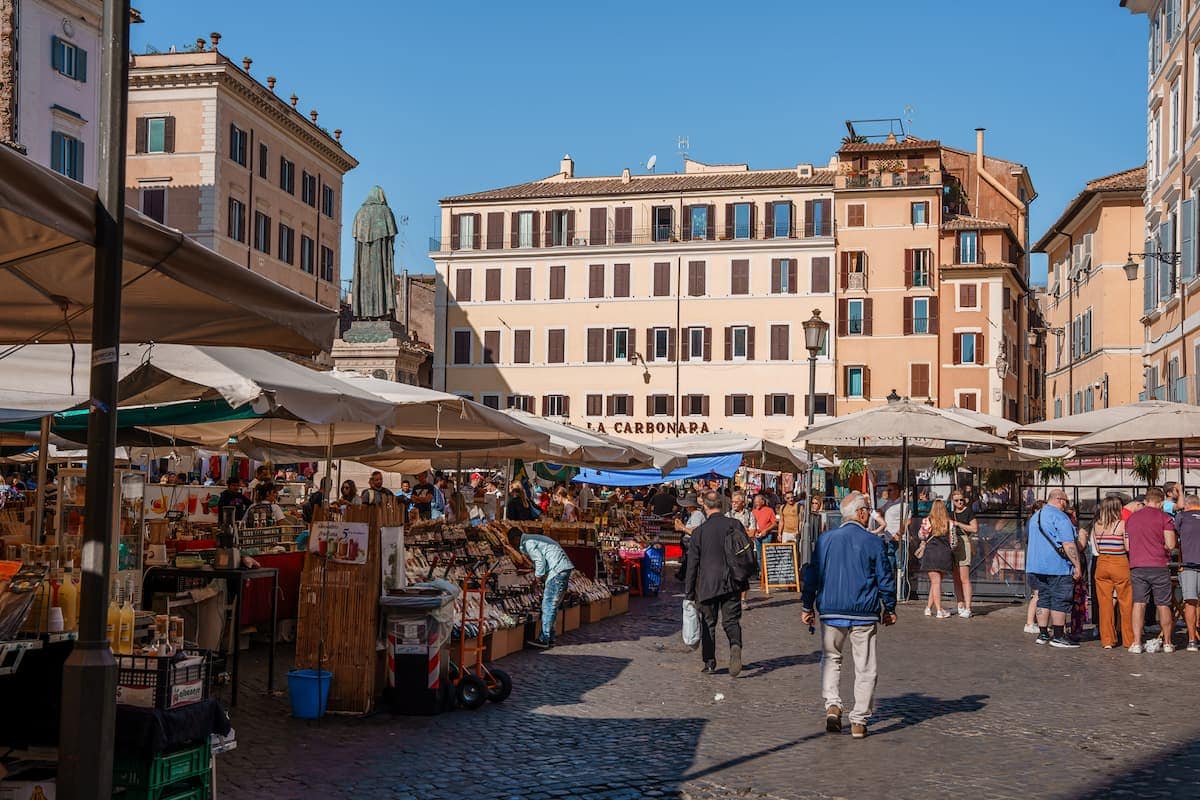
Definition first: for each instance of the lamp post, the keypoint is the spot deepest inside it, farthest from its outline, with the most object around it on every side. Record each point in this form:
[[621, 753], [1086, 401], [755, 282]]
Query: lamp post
[[816, 330]]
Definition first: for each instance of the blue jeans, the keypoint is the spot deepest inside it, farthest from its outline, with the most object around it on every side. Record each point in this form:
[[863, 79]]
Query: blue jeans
[[758, 545], [556, 587]]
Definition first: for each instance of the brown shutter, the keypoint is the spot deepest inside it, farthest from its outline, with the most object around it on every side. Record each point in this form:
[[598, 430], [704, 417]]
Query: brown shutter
[[933, 314], [749, 405], [671, 344], [608, 405], [791, 405], [728, 221], [768, 406], [769, 221], [620, 280], [141, 135], [708, 344], [549, 229], [855, 215], [598, 226], [545, 405], [728, 342], [632, 334], [712, 221], [868, 314], [514, 235], [477, 232], [495, 230], [793, 276], [776, 275], [843, 317], [671, 405], [169, 134], [566, 405], [808, 219], [846, 380], [462, 291], [844, 272], [750, 343], [624, 225], [523, 288], [980, 350], [753, 220], [649, 405], [704, 404], [685, 225], [649, 344], [908, 269], [685, 345], [739, 282], [596, 280], [792, 220], [491, 288], [455, 244], [957, 348], [866, 383], [537, 228], [608, 345], [729, 405], [908, 316], [820, 275]]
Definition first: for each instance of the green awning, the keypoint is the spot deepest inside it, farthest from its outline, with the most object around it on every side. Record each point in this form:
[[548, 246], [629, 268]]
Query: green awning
[[190, 413]]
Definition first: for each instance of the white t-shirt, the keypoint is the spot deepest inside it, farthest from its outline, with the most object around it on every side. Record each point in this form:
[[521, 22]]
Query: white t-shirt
[[893, 516]]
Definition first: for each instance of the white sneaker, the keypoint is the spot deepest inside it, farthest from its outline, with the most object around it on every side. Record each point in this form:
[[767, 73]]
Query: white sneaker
[[1032, 629], [1168, 647], [944, 615], [1135, 648], [928, 611], [965, 613]]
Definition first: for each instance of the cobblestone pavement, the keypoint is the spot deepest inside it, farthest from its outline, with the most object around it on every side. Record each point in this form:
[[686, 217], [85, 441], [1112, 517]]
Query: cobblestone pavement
[[620, 710]]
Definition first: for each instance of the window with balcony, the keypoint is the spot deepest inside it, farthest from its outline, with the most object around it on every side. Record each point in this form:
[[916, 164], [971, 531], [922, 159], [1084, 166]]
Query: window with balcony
[[781, 227], [663, 220], [741, 220], [920, 320], [922, 267], [968, 247], [699, 222], [466, 231], [560, 228], [854, 319], [525, 229], [817, 218]]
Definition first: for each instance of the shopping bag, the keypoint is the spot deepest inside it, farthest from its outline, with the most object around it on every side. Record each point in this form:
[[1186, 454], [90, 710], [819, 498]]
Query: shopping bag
[[691, 624]]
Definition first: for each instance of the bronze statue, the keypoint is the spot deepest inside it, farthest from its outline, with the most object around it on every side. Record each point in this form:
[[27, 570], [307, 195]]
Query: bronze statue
[[374, 288]]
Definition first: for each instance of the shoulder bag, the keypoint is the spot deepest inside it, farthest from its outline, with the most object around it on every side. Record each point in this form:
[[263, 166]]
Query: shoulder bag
[[1058, 548]]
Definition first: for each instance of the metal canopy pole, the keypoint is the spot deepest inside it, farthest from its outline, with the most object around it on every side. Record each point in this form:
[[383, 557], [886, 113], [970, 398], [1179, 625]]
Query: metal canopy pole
[[39, 504], [85, 749]]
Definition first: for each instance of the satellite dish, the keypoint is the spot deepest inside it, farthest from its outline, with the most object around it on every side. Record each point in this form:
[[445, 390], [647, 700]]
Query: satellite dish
[[651, 162]]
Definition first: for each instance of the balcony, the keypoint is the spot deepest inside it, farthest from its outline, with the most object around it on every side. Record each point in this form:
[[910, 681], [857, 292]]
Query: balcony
[[977, 255], [888, 180], [1179, 391], [653, 235], [857, 280]]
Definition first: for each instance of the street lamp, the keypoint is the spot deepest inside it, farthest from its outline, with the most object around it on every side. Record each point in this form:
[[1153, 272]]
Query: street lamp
[[815, 332], [1172, 257]]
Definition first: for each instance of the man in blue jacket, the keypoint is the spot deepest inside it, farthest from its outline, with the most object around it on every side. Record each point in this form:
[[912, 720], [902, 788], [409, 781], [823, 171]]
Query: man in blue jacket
[[551, 564], [854, 589]]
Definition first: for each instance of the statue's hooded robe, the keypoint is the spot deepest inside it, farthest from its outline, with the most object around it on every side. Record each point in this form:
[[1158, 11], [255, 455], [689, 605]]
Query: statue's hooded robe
[[374, 291]]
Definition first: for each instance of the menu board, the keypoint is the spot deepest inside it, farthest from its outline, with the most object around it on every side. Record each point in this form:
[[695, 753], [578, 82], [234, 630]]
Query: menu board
[[780, 568]]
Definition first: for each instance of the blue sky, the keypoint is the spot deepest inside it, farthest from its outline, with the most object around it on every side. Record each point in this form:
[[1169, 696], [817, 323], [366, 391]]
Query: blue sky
[[448, 97]]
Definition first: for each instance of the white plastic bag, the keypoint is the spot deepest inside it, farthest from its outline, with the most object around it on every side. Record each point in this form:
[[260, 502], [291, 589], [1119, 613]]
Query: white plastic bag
[[691, 624]]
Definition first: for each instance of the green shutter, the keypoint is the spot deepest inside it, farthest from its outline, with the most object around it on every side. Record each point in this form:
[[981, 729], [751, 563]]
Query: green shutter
[[56, 60], [77, 148], [56, 162], [81, 65]]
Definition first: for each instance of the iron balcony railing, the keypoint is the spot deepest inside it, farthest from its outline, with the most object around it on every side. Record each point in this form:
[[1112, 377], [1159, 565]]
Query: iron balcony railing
[[655, 234]]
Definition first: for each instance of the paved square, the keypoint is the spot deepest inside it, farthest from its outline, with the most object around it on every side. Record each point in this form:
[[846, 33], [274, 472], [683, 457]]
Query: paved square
[[620, 710]]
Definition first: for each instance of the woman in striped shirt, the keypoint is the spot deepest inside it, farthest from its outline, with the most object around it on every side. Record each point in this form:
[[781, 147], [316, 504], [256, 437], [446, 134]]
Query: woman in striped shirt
[[1110, 548]]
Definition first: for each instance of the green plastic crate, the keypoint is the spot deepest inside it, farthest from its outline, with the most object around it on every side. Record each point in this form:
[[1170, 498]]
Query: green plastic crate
[[193, 789], [134, 772]]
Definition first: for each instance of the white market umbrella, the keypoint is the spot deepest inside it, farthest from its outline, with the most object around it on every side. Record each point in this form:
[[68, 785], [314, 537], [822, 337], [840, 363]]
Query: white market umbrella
[[756, 452], [902, 425], [1065, 430], [1158, 428]]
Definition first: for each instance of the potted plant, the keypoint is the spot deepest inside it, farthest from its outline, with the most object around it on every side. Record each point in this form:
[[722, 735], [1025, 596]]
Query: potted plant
[[852, 468], [1147, 468], [949, 464], [1052, 469]]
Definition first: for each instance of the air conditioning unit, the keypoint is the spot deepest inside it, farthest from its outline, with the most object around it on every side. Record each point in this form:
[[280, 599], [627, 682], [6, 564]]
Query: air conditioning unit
[[580, 241]]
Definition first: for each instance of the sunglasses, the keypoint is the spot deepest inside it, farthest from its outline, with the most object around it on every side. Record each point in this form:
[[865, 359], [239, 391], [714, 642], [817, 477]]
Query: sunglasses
[[958, 499]]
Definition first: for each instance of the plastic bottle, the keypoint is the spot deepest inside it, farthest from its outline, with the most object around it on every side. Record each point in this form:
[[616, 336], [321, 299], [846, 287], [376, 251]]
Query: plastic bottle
[[114, 618], [68, 599], [125, 632]]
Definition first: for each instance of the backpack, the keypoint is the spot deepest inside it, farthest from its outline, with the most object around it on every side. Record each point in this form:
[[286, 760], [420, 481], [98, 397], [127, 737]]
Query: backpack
[[741, 557]]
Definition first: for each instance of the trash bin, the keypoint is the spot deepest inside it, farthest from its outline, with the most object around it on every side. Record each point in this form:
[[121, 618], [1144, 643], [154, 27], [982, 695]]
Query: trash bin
[[418, 623]]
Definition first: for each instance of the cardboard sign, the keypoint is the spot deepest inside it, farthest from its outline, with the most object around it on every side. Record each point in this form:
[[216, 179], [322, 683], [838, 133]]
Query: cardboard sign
[[780, 568], [342, 542]]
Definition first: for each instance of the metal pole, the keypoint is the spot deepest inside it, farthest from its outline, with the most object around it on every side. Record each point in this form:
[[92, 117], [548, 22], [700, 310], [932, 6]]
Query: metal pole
[[85, 749], [1182, 472], [812, 387], [39, 505]]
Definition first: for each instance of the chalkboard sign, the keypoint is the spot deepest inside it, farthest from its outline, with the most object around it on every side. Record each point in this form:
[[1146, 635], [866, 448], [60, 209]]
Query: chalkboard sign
[[781, 568]]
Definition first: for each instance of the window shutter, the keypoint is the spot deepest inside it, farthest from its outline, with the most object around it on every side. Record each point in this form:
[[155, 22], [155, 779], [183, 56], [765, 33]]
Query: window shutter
[[844, 272], [56, 162], [749, 405], [791, 405], [739, 280], [750, 343], [980, 350], [1187, 248], [791, 219], [169, 134], [704, 404], [769, 221], [608, 405], [649, 405], [608, 345], [708, 344], [843, 317], [846, 381], [729, 225], [624, 225], [571, 227], [685, 225], [728, 342], [792, 275], [598, 226], [232, 140], [868, 316], [808, 219], [711, 232], [908, 316], [933, 314], [671, 405], [776, 273], [671, 344], [820, 275], [768, 406], [81, 65], [649, 344], [477, 231], [549, 228], [495, 230], [514, 235], [753, 220], [140, 134], [729, 405], [455, 244], [537, 228], [866, 383], [957, 348], [908, 269], [56, 60], [685, 345]]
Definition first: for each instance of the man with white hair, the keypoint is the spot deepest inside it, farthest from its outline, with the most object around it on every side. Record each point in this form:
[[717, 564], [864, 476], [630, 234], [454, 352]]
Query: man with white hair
[[854, 589]]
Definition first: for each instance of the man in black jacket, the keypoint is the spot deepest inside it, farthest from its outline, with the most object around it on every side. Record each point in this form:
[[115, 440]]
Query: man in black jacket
[[709, 583]]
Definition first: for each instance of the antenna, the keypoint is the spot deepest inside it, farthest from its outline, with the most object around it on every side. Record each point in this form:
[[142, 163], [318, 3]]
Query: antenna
[[650, 162], [683, 145], [909, 112]]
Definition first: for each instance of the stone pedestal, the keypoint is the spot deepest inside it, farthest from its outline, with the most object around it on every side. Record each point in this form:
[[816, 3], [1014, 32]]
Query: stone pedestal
[[379, 348]]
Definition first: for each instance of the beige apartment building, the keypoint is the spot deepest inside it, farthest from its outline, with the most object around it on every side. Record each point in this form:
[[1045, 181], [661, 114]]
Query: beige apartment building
[[223, 158], [1167, 256], [642, 305], [933, 287], [1093, 324]]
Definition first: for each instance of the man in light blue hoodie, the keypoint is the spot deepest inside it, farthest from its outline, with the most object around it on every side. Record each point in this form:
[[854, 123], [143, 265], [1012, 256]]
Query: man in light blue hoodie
[[551, 564]]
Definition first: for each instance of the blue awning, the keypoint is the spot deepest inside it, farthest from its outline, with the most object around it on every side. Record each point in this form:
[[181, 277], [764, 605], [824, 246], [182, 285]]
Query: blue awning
[[719, 466]]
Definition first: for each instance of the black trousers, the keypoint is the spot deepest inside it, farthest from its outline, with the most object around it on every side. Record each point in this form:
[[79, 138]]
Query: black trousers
[[729, 607]]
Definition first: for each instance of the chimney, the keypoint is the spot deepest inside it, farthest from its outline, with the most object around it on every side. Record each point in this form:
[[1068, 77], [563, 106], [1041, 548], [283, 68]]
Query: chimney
[[891, 138], [979, 144], [567, 166], [625, 175]]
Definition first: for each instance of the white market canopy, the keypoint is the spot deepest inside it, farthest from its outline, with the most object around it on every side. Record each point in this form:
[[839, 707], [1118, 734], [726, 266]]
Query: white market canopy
[[1065, 430], [174, 289], [891, 428], [1153, 427], [756, 453]]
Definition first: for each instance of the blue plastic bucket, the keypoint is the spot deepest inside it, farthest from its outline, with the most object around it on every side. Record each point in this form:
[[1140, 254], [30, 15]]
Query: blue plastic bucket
[[309, 691]]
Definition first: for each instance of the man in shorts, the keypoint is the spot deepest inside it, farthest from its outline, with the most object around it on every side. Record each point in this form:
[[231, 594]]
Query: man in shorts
[[1052, 574], [1188, 526], [1151, 533]]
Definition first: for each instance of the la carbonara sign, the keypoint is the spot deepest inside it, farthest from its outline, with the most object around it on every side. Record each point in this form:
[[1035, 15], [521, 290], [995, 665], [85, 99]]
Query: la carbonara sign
[[669, 428]]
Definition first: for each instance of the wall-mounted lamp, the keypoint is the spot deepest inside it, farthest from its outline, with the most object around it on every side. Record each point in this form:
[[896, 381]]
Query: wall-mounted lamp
[[637, 358]]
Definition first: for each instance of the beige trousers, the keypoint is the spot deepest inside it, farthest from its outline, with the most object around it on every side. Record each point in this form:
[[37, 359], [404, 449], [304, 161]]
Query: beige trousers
[[862, 646]]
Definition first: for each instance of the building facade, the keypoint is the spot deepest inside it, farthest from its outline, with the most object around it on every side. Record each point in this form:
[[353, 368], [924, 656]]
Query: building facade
[[642, 305], [219, 156], [1093, 317], [933, 284], [1168, 277], [49, 82]]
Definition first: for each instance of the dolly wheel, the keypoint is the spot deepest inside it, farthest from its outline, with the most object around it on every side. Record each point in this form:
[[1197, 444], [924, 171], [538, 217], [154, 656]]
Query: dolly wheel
[[471, 692], [500, 687]]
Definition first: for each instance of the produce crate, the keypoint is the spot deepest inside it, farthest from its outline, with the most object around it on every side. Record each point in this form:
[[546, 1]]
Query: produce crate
[[163, 682], [594, 611], [132, 771], [620, 604], [194, 789], [570, 618]]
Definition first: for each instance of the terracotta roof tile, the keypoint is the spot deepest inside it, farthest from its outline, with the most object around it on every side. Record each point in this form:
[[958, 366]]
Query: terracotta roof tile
[[975, 224], [1128, 180], [903, 145], [648, 184]]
